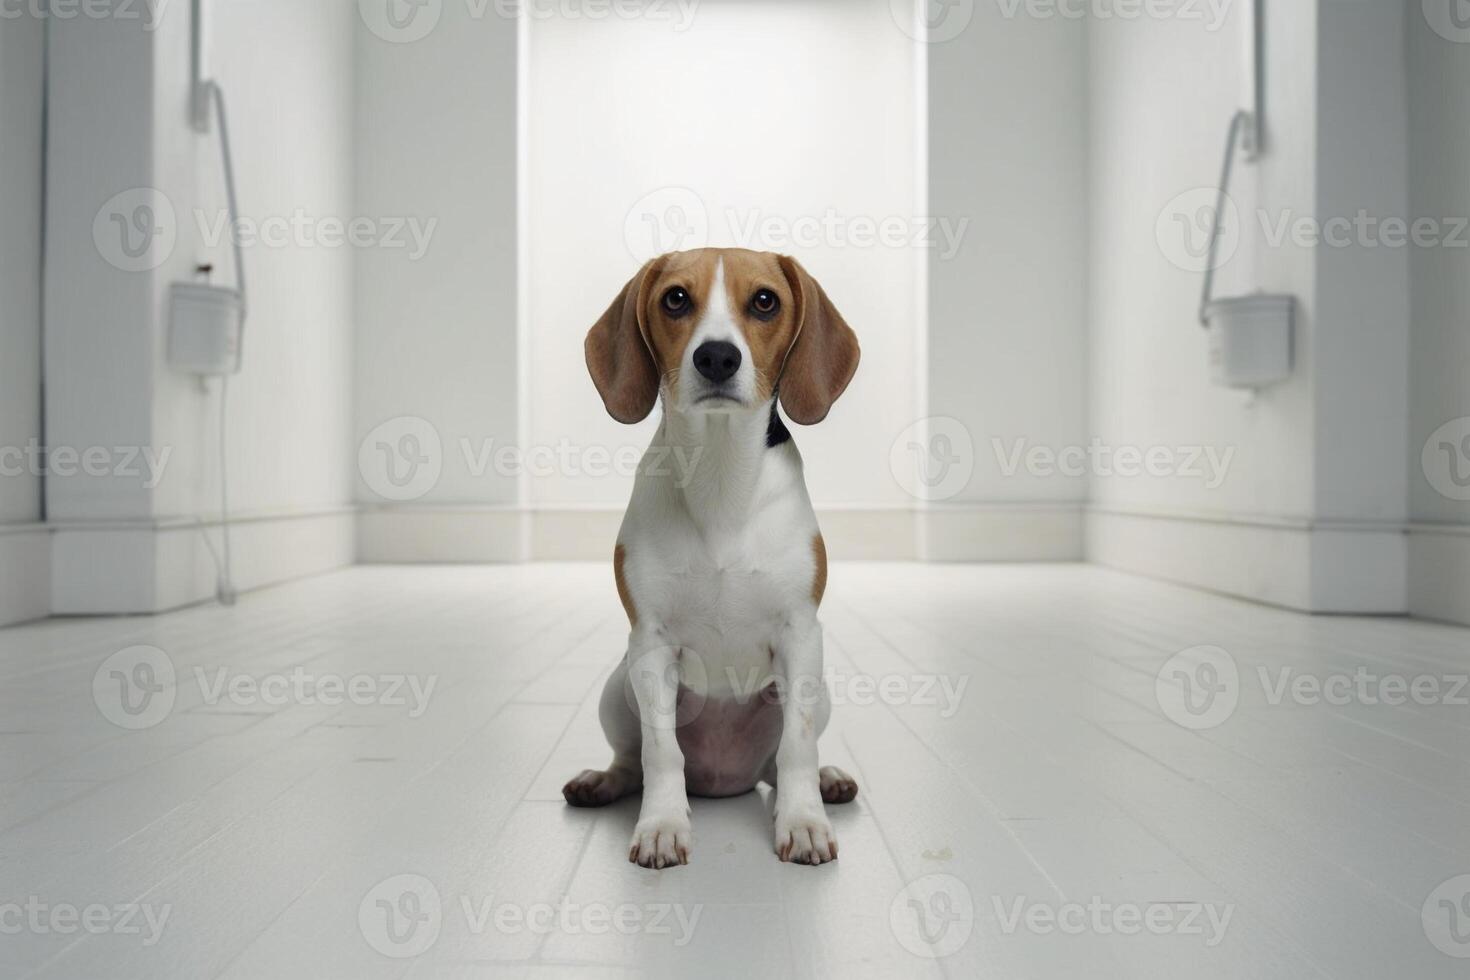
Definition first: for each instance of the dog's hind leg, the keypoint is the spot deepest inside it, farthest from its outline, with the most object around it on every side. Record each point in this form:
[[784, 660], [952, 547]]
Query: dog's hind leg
[[599, 787], [836, 785]]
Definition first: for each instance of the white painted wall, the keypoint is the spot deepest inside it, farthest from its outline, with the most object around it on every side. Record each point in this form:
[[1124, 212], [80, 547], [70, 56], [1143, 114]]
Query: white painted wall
[[436, 141], [1439, 107], [1156, 144], [1310, 511], [1008, 310], [101, 329], [1439, 104], [764, 110], [1007, 344], [22, 54], [287, 71], [1361, 369], [24, 547], [120, 98]]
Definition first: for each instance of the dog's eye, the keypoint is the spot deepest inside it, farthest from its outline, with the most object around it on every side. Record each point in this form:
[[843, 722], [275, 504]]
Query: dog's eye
[[676, 301], [765, 304]]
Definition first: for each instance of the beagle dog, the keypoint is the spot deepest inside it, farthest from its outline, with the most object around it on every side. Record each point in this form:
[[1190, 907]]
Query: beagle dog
[[720, 566]]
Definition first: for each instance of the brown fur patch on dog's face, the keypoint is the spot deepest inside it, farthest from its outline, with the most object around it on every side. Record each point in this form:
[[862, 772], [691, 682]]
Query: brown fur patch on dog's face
[[745, 274]]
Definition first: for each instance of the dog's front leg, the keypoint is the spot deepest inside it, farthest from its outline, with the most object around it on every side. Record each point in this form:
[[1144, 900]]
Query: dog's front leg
[[803, 833], [662, 836]]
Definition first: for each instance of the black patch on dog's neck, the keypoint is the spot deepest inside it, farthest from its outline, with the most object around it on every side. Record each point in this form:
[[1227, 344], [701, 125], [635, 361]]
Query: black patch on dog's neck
[[776, 431]]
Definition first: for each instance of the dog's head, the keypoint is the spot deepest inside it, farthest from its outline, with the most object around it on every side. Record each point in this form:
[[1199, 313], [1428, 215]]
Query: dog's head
[[721, 329]]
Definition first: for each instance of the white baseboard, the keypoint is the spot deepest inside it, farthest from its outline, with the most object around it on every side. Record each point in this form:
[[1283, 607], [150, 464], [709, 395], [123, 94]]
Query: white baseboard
[[25, 572], [979, 532], [574, 534], [123, 567], [1320, 568], [145, 567], [1003, 532], [420, 534], [1439, 571]]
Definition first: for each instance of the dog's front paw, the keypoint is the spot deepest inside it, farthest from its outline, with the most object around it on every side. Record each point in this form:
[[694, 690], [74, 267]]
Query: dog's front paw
[[804, 836], [661, 841]]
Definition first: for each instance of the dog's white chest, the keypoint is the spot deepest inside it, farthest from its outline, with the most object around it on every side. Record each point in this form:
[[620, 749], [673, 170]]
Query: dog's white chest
[[724, 603]]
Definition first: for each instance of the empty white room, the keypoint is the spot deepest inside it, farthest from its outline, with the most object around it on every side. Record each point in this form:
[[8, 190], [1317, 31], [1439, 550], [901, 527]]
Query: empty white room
[[734, 488]]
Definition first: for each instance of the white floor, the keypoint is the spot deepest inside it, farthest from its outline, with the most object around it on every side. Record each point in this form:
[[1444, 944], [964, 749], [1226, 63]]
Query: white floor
[[281, 836]]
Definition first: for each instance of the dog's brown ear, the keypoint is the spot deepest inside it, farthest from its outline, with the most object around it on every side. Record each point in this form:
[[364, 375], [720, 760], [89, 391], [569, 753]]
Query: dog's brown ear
[[823, 357], [618, 357]]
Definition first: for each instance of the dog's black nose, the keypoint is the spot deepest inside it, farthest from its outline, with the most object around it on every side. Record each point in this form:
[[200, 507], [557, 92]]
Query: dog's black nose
[[717, 360]]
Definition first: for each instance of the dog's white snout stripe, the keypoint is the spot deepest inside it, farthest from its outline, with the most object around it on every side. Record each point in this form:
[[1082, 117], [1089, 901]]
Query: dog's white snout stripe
[[718, 325]]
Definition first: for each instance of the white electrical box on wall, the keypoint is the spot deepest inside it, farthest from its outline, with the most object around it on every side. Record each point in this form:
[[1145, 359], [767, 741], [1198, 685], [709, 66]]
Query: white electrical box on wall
[[1250, 339], [204, 328]]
